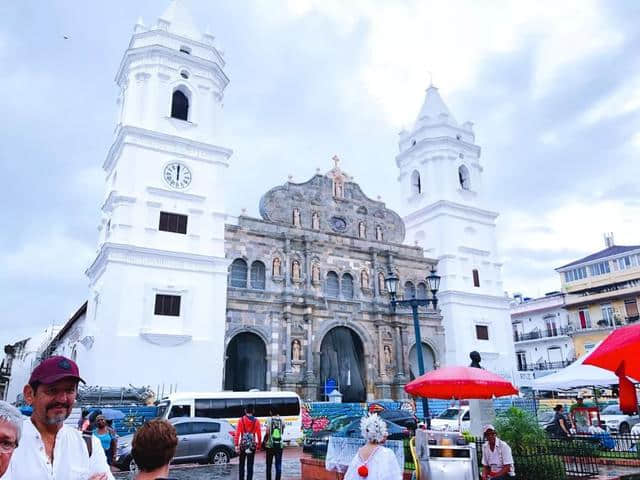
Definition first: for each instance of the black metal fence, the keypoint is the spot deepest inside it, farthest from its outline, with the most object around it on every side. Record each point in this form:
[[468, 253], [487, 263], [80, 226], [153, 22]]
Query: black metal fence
[[553, 460], [612, 445]]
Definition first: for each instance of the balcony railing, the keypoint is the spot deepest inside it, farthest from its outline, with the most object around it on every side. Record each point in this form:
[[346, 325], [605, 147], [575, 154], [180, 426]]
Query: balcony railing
[[535, 334], [528, 367]]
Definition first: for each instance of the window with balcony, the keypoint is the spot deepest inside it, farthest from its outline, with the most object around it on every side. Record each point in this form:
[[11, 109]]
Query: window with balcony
[[599, 268], [607, 315], [584, 318], [522, 361], [631, 310]]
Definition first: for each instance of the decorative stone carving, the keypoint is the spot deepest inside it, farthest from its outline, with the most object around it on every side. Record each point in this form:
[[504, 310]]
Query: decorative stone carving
[[276, 269], [379, 234], [296, 350], [364, 279], [295, 271], [388, 357], [315, 273], [362, 230], [280, 204]]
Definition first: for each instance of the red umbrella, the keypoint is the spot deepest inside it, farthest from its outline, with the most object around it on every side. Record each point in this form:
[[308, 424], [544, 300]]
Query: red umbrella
[[619, 354], [621, 346], [460, 382]]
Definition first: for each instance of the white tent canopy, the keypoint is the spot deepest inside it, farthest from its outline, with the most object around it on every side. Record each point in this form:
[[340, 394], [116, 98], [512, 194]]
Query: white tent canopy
[[576, 375]]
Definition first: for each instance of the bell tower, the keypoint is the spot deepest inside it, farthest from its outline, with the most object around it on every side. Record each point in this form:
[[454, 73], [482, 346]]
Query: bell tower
[[440, 178], [158, 283]]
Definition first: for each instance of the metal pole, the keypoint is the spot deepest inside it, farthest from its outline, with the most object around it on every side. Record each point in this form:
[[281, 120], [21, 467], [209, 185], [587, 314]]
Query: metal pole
[[416, 327]]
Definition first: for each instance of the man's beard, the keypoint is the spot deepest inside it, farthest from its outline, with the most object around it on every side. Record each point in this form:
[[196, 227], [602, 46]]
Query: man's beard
[[57, 419]]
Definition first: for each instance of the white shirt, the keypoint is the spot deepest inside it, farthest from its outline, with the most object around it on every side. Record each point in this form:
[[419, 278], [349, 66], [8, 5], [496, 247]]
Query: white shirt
[[382, 465], [70, 457], [498, 458]]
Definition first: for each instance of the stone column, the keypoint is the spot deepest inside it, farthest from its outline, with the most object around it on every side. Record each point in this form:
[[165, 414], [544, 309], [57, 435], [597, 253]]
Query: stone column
[[309, 375], [399, 347], [287, 338], [374, 273], [285, 261], [307, 264]]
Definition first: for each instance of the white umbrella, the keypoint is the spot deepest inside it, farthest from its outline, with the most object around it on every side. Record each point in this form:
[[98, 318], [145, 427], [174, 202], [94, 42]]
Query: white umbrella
[[576, 375]]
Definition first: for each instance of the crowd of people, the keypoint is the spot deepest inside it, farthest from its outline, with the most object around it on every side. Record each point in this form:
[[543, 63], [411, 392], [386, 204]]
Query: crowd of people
[[43, 446]]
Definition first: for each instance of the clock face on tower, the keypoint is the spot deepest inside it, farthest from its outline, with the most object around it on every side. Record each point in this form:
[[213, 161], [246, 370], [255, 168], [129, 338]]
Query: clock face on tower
[[177, 175]]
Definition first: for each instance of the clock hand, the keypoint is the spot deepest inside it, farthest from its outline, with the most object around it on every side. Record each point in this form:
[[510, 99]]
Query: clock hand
[[178, 176]]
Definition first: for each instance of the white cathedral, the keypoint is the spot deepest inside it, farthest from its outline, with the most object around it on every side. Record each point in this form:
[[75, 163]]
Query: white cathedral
[[165, 167]]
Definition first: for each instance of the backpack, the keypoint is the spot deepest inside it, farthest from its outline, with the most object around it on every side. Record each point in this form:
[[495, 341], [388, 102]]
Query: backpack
[[275, 433], [247, 441]]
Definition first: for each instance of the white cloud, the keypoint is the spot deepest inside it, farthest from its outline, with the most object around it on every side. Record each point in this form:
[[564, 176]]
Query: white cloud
[[55, 255], [452, 39], [622, 101]]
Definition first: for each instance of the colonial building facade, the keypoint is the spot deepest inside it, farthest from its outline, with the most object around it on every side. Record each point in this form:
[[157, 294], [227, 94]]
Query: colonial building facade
[[306, 300]]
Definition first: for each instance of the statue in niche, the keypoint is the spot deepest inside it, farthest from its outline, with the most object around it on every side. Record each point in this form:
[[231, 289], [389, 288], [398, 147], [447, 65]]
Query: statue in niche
[[296, 351], [379, 233], [362, 230], [296, 356], [296, 217], [295, 271], [315, 273], [276, 271], [364, 279], [315, 221], [338, 188], [387, 356]]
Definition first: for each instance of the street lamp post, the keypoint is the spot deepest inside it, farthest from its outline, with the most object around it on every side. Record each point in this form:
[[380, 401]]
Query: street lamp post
[[433, 281]]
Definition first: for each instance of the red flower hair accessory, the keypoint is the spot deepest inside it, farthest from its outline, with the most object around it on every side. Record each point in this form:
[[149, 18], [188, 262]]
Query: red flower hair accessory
[[363, 471]]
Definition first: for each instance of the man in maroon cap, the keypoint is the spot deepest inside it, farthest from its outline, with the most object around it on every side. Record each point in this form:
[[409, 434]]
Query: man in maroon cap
[[50, 449]]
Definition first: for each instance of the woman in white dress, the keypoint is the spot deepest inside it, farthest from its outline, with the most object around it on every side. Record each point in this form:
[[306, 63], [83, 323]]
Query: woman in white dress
[[373, 461]]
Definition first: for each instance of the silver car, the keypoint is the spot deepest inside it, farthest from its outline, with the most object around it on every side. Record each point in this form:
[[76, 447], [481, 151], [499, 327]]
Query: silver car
[[616, 421], [202, 440]]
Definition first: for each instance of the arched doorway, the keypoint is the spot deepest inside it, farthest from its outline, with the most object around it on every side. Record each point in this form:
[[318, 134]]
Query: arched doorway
[[342, 359], [246, 365], [428, 356]]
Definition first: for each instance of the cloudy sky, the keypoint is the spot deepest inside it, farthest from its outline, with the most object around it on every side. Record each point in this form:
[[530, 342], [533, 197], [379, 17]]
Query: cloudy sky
[[553, 88]]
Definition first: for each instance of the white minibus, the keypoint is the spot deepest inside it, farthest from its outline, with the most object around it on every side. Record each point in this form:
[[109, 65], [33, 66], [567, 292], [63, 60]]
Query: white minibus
[[230, 406]]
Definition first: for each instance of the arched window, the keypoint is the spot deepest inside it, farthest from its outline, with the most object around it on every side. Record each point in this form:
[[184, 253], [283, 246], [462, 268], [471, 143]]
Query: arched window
[[421, 291], [409, 291], [347, 286], [463, 177], [257, 275], [333, 285], [239, 273], [180, 105], [416, 187], [476, 278]]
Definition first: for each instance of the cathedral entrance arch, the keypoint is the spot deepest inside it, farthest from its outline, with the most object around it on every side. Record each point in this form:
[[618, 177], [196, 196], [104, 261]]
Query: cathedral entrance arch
[[428, 356], [246, 364], [342, 359]]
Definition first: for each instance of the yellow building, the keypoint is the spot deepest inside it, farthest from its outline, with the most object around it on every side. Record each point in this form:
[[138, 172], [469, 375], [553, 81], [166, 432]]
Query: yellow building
[[602, 290]]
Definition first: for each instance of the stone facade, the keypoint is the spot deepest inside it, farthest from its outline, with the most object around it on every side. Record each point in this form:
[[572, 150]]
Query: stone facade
[[324, 262]]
